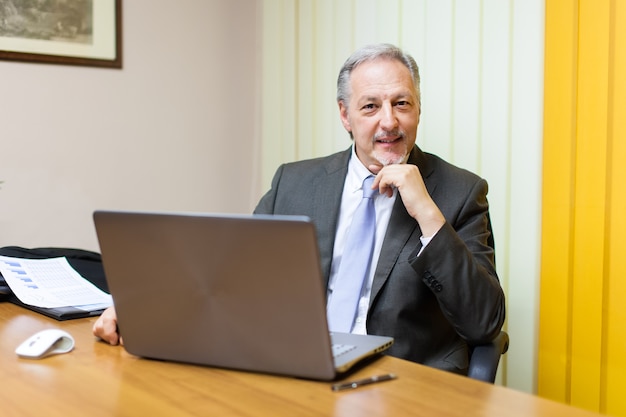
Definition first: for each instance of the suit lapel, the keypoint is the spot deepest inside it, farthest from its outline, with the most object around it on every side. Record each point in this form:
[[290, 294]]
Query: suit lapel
[[327, 201]]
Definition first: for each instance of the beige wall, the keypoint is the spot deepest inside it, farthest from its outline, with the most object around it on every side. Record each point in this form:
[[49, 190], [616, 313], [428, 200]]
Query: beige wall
[[174, 129]]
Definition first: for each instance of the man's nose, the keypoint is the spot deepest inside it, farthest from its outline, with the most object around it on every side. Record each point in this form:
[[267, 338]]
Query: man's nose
[[388, 120]]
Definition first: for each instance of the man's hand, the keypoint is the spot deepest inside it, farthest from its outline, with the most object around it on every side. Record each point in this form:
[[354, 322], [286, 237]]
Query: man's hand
[[106, 327], [410, 184]]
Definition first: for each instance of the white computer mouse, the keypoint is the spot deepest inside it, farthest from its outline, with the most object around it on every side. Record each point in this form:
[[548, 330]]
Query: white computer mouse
[[45, 343]]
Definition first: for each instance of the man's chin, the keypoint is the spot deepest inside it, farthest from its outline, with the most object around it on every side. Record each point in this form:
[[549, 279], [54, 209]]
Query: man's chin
[[390, 158]]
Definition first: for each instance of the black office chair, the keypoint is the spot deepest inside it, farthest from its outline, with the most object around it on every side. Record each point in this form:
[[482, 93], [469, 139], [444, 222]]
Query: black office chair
[[484, 359]]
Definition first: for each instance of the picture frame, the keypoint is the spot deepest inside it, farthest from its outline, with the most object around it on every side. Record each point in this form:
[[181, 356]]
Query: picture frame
[[73, 32]]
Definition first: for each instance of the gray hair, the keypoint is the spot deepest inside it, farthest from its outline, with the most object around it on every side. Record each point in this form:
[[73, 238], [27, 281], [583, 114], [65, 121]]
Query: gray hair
[[371, 53]]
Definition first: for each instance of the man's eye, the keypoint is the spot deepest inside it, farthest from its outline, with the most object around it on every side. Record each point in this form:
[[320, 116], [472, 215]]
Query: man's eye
[[369, 106]]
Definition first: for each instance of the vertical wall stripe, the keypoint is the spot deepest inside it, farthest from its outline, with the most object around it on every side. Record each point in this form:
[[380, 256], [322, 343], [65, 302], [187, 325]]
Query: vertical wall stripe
[[522, 205], [437, 72], [590, 203], [615, 336], [557, 219], [467, 26]]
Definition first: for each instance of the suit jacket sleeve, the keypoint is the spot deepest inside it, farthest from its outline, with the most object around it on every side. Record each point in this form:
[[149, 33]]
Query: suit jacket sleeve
[[458, 265]]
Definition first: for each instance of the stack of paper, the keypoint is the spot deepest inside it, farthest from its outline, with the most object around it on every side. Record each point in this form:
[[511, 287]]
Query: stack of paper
[[51, 283]]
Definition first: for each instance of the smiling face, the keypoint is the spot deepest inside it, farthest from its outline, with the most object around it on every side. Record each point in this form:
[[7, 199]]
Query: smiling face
[[382, 113]]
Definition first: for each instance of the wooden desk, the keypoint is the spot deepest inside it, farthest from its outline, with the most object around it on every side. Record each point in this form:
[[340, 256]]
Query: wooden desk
[[100, 380]]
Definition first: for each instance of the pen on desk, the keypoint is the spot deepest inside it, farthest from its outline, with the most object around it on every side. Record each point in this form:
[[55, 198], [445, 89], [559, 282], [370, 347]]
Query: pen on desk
[[358, 383]]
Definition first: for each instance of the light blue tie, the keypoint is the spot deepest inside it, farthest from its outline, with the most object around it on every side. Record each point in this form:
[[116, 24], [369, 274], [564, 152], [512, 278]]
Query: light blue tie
[[355, 263]]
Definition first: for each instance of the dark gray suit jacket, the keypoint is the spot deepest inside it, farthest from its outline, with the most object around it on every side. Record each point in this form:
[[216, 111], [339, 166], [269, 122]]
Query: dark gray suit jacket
[[434, 305]]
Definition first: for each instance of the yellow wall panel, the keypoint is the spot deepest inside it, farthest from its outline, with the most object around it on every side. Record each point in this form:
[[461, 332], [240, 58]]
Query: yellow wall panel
[[582, 342], [614, 400], [558, 194], [590, 202]]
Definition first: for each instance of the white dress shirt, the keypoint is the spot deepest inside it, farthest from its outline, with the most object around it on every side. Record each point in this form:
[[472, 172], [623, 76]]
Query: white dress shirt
[[350, 199]]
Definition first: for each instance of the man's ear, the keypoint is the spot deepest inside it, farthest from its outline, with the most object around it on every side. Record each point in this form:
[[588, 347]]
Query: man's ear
[[345, 120]]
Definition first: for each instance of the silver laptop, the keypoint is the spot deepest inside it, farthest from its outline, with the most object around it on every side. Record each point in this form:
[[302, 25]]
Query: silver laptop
[[234, 291]]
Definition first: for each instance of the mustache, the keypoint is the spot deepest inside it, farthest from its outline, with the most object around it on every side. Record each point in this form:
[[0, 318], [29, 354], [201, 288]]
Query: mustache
[[383, 134]]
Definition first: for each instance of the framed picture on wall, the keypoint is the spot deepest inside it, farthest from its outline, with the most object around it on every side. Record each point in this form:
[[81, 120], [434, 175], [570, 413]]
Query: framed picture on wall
[[72, 32]]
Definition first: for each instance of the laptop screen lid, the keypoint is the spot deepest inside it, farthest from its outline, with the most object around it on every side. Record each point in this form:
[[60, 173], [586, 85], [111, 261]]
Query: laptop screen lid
[[233, 291]]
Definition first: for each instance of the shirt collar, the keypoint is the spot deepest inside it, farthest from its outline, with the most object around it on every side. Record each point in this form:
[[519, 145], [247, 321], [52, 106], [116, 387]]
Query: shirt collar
[[357, 172]]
